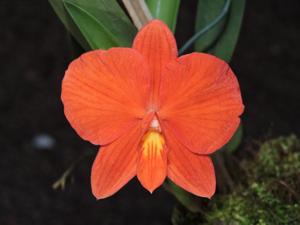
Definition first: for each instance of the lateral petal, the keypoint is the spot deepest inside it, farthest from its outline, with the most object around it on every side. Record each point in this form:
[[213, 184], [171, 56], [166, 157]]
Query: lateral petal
[[115, 164], [105, 93], [156, 42], [200, 102], [194, 173]]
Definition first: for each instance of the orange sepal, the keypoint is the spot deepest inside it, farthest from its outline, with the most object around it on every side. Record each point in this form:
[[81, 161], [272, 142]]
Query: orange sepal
[[156, 42], [200, 102], [105, 93], [192, 172], [152, 164], [115, 164]]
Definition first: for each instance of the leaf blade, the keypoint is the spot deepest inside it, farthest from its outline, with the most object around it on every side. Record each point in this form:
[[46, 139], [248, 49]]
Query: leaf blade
[[77, 12], [102, 22], [59, 9], [165, 10], [95, 23], [226, 44], [221, 40], [207, 11]]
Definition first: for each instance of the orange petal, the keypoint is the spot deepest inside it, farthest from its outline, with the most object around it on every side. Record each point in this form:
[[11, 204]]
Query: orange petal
[[115, 164], [194, 173], [157, 44], [152, 165], [200, 102], [105, 93]]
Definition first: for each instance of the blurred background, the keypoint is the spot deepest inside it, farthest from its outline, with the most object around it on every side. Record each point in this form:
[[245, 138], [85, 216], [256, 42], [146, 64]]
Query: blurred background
[[37, 144]]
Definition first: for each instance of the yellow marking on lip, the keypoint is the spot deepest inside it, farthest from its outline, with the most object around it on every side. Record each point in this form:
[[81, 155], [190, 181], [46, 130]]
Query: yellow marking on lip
[[153, 143]]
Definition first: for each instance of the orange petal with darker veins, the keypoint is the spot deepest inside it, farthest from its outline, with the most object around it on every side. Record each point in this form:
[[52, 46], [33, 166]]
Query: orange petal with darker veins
[[192, 172], [115, 164], [157, 44], [105, 93], [200, 102], [152, 164]]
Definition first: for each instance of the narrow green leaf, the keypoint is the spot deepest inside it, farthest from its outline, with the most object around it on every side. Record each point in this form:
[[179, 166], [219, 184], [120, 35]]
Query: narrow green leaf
[[220, 40], [95, 23], [58, 7], [165, 10], [102, 22], [90, 28], [225, 46], [207, 11]]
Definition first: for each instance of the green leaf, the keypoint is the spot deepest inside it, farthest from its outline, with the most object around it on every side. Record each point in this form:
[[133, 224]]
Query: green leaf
[[102, 22], [207, 11], [223, 38], [165, 10], [95, 23], [235, 141], [58, 7], [225, 46]]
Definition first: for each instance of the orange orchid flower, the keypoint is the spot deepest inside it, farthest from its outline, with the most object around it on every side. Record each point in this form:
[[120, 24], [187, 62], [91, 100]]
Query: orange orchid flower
[[155, 114]]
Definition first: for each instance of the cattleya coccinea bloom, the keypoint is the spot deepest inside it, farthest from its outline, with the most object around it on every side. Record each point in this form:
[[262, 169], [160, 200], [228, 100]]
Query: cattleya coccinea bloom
[[155, 114]]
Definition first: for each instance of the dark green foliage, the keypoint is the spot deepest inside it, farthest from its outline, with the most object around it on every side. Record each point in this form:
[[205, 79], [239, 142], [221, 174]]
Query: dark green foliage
[[95, 23], [220, 40], [269, 194]]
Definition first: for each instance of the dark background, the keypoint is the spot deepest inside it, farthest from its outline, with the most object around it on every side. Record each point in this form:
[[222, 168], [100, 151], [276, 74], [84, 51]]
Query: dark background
[[34, 53]]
